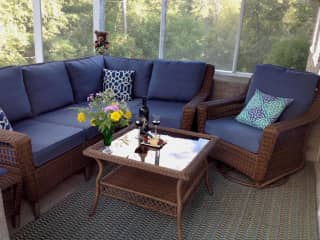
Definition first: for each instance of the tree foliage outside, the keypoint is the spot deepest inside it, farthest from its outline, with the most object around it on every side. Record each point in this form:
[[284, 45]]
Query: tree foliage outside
[[274, 31], [277, 32], [16, 32], [143, 27], [67, 29]]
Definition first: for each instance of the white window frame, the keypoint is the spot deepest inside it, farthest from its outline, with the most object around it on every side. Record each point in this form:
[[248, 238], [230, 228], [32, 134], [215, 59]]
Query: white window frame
[[37, 31]]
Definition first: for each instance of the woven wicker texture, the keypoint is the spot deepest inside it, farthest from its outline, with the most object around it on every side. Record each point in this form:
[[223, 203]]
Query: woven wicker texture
[[233, 212]]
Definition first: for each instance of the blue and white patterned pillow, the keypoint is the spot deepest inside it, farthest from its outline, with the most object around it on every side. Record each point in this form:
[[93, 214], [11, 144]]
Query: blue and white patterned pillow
[[4, 122], [263, 109], [120, 81]]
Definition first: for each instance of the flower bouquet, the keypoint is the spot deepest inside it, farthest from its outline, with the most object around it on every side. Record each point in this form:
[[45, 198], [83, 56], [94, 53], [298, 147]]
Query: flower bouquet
[[106, 113]]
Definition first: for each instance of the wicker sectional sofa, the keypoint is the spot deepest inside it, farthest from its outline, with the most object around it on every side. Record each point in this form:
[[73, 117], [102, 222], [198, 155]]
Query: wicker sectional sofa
[[47, 141]]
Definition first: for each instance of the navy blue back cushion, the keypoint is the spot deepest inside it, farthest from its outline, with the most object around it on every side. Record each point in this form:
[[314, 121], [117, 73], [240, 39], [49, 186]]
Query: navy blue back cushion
[[48, 86], [86, 76], [176, 80], [288, 83], [141, 76], [13, 97]]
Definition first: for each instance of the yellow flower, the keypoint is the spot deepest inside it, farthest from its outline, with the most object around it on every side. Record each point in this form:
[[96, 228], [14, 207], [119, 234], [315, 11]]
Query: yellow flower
[[128, 115], [93, 122], [81, 117], [121, 112], [115, 116]]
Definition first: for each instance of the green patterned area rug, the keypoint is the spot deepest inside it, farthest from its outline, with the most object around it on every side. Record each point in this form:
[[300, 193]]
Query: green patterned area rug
[[233, 212]]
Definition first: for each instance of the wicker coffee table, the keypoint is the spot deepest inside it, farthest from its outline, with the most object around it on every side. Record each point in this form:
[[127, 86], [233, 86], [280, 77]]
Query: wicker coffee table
[[157, 179]]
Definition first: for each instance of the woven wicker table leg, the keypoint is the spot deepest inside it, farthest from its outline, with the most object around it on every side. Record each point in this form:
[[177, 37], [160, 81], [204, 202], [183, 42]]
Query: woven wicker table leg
[[208, 185], [179, 210], [98, 188]]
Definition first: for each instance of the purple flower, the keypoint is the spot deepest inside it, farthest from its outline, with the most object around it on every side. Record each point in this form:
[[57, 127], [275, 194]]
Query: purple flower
[[111, 108]]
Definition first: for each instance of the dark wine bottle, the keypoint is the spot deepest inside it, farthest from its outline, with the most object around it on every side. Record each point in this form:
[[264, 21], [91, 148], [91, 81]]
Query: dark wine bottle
[[144, 115]]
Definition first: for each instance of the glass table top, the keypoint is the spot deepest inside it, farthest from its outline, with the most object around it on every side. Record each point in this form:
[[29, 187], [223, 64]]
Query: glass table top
[[176, 154]]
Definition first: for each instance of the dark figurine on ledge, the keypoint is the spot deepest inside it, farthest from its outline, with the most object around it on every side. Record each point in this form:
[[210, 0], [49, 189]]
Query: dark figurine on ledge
[[101, 43]]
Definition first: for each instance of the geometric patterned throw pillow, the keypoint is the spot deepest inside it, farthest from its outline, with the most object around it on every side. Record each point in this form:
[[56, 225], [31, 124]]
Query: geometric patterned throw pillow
[[263, 109], [120, 81], [4, 122]]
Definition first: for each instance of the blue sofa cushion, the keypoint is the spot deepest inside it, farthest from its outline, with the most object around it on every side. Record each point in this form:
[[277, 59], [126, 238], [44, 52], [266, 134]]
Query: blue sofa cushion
[[170, 112], [288, 83], [176, 80], [48, 86], [49, 140], [142, 74], [67, 116], [3, 171], [86, 76], [231, 131], [13, 96]]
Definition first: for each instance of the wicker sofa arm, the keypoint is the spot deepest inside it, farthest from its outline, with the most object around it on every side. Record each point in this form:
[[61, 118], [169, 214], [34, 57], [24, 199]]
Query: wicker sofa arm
[[285, 126], [284, 135], [286, 129], [16, 151], [189, 110], [219, 108]]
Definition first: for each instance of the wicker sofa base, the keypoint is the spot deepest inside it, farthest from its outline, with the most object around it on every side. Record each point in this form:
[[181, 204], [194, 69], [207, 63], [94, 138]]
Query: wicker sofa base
[[38, 183], [11, 186]]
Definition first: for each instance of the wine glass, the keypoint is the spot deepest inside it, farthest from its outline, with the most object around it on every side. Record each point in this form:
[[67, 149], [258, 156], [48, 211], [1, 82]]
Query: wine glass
[[155, 122], [139, 123]]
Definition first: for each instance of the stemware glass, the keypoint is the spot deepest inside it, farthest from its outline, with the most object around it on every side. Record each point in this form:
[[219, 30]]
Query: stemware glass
[[139, 123], [155, 122]]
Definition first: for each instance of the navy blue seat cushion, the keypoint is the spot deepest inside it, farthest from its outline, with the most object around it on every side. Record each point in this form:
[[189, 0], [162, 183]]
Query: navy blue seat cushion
[[48, 86], [86, 76], [13, 96], [3, 171], [170, 112], [67, 116], [141, 76], [231, 131], [176, 80], [288, 83], [49, 140]]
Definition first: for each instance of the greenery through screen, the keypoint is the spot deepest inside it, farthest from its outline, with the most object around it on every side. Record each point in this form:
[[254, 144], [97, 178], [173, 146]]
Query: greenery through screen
[[277, 32], [140, 39], [16, 32], [274, 31], [202, 30], [67, 29]]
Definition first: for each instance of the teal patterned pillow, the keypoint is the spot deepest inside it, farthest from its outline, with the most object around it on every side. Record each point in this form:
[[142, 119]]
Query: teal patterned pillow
[[263, 109]]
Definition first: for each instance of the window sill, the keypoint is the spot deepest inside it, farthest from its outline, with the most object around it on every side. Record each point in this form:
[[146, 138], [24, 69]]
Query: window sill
[[238, 75]]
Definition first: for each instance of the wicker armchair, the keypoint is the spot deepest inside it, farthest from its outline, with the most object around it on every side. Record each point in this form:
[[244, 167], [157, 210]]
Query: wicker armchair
[[280, 148]]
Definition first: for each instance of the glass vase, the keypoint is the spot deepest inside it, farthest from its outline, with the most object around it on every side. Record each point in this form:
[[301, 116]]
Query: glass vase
[[107, 140]]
